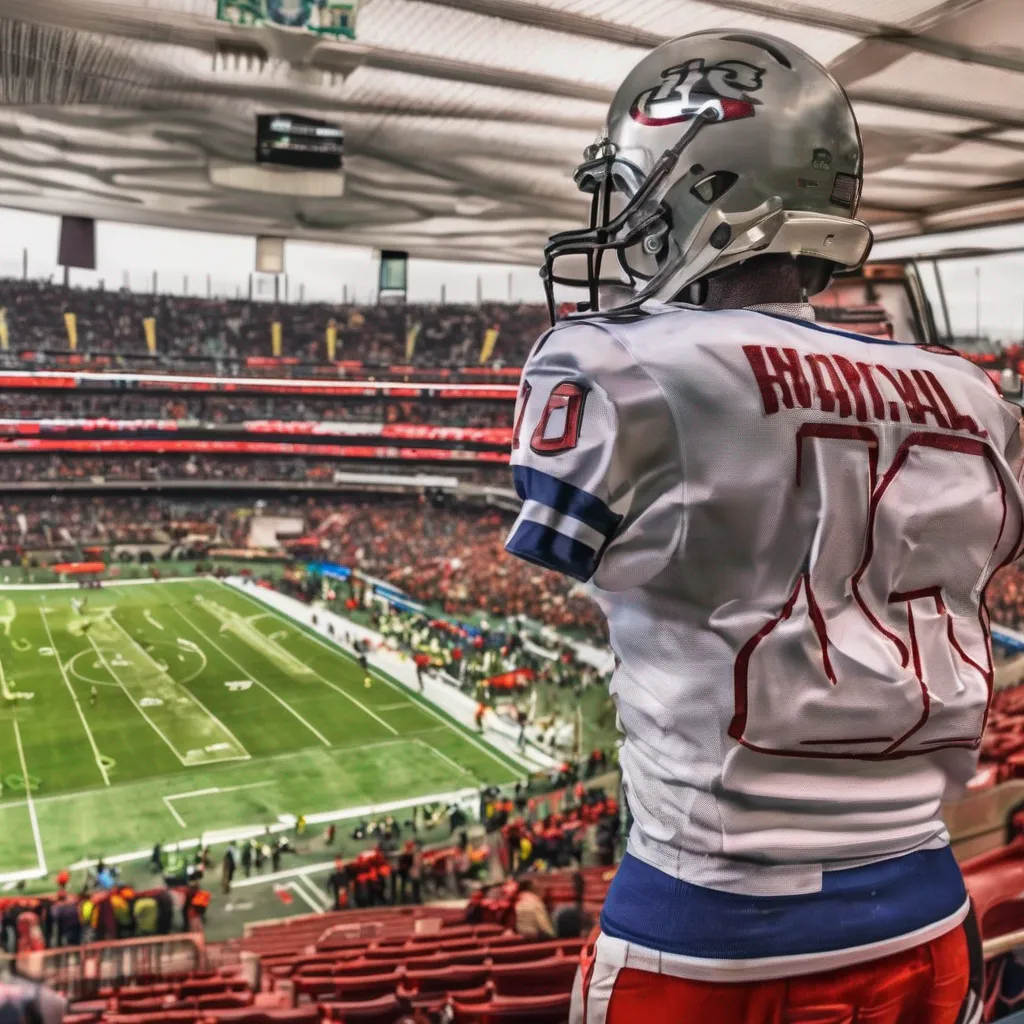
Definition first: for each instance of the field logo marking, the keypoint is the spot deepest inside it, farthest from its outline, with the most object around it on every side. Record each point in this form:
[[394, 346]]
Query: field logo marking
[[336, 648], [280, 700], [81, 714], [179, 688], [239, 685]]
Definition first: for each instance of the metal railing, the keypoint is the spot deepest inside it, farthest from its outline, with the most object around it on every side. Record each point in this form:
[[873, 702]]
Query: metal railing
[[81, 972]]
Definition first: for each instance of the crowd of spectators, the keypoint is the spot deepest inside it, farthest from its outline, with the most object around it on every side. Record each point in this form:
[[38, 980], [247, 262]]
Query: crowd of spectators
[[1005, 597], [59, 469], [227, 331], [450, 557], [455, 558], [230, 409]]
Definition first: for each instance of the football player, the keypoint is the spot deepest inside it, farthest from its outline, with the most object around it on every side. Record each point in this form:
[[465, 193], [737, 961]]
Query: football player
[[790, 529]]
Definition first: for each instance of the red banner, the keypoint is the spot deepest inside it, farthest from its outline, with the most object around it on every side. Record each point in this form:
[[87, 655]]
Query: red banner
[[78, 568], [24, 379], [100, 446], [501, 436], [510, 680]]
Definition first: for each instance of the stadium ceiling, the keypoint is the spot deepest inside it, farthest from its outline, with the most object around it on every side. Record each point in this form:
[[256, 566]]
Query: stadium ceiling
[[464, 118]]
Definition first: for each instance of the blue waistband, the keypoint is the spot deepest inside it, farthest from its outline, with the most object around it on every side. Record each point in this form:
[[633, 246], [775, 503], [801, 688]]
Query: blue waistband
[[853, 908]]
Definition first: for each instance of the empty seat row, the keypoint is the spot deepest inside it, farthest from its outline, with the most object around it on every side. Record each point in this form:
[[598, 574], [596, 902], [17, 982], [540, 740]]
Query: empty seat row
[[551, 975]]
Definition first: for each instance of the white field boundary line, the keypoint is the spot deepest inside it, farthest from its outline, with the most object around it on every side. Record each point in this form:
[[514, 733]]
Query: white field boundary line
[[246, 755], [33, 820], [337, 648], [444, 757], [253, 831], [174, 814], [74, 794], [74, 698], [106, 584], [212, 791], [250, 675]]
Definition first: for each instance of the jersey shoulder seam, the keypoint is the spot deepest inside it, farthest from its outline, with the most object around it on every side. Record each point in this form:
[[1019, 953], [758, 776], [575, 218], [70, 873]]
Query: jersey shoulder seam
[[677, 536]]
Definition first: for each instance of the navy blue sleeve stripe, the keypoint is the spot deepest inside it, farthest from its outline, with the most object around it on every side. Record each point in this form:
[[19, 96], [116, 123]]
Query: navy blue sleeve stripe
[[546, 547], [545, 489]]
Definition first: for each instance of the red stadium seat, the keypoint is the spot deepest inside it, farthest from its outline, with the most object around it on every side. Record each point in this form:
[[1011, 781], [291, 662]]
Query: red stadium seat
[[552, 1009], [447, 979], [377, 1011], [554, 975], [303, 1015], [531, 951], [368, 986], [161, 1017], [1002, 918]]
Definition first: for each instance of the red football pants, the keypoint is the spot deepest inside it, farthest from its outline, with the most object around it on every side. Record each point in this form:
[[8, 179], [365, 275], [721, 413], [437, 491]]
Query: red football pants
[[924, 985]]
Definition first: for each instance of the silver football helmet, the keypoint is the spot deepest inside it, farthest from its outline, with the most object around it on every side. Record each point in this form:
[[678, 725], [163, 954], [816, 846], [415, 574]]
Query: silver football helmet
[[719, 146]]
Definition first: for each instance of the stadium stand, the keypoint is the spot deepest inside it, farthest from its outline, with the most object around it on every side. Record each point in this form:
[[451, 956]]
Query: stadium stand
[[197, 332]]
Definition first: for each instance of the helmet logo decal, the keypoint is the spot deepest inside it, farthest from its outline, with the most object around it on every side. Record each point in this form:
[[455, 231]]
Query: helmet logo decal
[[692, 87]]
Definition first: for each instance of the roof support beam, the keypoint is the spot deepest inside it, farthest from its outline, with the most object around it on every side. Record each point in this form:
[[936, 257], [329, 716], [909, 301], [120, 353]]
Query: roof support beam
[[875, 31], [1000, 117], [537, 15]]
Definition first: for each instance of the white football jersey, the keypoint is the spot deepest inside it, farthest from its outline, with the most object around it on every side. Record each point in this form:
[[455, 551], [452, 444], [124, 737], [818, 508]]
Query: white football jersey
[[790, 529]]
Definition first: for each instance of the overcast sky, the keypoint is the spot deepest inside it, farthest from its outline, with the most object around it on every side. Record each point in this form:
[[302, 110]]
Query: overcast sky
[[129, 254]]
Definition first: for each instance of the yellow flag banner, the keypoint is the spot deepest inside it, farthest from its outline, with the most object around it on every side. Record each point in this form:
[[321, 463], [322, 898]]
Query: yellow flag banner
[[5, 338], [332, 340], [275, 339], [487, 349], [71, 323], [149, 326], [410, 340]]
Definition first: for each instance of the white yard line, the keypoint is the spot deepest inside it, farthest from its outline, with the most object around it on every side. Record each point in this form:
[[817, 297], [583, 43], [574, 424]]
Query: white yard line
[[141, 710], [33, 820], [395, 707], [177, 817], [146, 654], [74, 697], [249, 675], [444, 757]]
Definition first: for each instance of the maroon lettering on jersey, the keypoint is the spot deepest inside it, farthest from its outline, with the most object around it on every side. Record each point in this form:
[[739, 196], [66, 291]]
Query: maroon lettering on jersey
[[957, 419], [569, 396], [918, 404], [786, 374], [877, 402], [854, 383], [832, 392], [526, 390]]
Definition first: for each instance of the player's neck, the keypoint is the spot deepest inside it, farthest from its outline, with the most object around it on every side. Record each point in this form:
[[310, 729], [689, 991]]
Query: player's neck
[[760, 282]]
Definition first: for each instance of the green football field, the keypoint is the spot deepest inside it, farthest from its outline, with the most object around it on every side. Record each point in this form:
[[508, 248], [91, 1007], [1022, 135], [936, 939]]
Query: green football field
[[166, 711]]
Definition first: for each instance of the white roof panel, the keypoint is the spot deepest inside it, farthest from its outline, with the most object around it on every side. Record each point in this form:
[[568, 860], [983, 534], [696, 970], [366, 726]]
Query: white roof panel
[[465, 118]]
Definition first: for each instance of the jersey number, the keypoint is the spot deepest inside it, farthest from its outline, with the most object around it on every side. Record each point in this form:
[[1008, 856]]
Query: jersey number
[[881, 649], [558, 429]]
